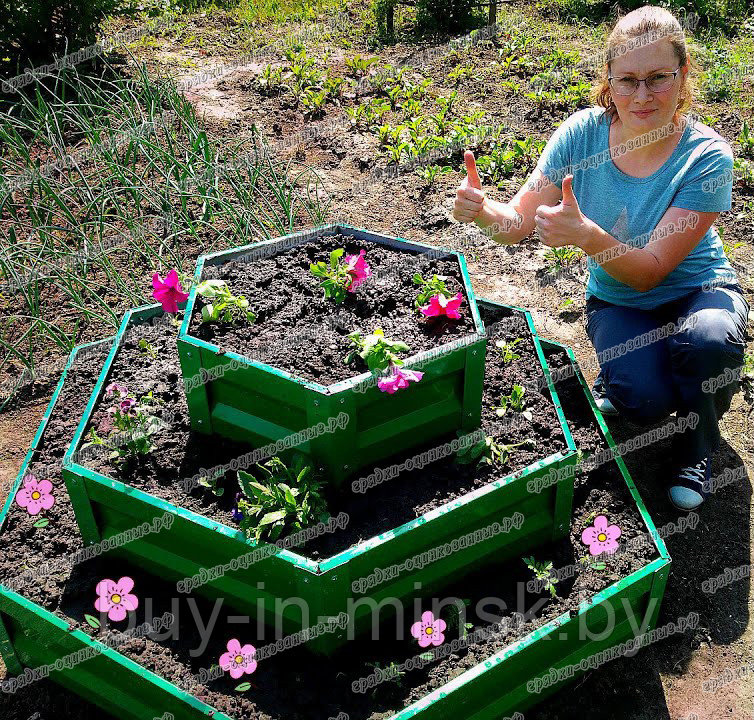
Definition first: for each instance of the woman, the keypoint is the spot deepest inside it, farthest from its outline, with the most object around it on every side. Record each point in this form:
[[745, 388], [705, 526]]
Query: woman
[[637, 185]]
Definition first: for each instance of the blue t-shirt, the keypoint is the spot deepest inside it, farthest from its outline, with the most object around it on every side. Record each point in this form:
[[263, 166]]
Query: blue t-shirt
[[697, 176]]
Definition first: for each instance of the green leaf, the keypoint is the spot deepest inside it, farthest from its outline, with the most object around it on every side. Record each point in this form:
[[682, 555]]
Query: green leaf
[[243, 687], [418, 278], [599, 565], [273, 517], [208, 313], [44, 522], [93, 621], [335, 256], [212, 288]]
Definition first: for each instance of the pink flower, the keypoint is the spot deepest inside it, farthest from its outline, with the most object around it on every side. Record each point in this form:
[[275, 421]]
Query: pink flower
[[239, 660], [115, 598], [115, 387], [398, 380], [440, 305], [35, 495], [601, 537], [428, 630], [168, 293], [358, 269]]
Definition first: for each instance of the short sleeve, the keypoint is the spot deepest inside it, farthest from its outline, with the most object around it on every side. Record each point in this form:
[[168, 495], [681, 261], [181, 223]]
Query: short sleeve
[[555, 160], [708, 184]]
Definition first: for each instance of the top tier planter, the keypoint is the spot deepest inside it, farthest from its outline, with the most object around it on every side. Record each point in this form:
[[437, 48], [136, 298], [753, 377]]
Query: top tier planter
[[235, 396]]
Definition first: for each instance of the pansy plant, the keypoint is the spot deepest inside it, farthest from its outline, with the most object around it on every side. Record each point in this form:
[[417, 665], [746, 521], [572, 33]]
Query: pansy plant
[[515, 402], [131, 424], [220, 305], [339, 277]]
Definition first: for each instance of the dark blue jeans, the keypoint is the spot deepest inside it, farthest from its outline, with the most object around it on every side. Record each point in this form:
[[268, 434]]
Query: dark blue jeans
[[690, 366]]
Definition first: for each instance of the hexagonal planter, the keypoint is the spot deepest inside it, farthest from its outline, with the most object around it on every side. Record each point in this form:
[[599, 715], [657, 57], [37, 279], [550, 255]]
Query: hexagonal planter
[[257, 403], [31, 636], [105, 507]]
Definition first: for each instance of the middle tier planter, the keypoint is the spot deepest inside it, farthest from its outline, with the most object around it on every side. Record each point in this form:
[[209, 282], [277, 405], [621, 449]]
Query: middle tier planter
[[215, 554], [254, 400]]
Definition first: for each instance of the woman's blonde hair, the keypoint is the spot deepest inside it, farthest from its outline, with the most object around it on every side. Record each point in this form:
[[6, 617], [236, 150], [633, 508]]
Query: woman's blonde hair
[[643, 26]]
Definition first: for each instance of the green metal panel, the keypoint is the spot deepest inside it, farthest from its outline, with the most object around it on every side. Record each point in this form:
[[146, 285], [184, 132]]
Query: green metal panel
[[261, 404]]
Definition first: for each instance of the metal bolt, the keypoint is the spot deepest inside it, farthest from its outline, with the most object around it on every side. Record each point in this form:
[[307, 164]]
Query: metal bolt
[[306, 580], [468, 414], [342, 401], [316, 403], [473, 352], [199, 422], [345, 467], [188, 354], [334, 578]]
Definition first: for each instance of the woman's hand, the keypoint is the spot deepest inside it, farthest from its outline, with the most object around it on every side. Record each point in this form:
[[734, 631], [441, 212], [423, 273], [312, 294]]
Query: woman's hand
[[563, 224], [469, 196]]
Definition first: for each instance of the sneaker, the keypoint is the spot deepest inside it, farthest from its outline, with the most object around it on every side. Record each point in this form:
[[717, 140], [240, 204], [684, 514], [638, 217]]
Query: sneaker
[[603, 404], [689, 488]]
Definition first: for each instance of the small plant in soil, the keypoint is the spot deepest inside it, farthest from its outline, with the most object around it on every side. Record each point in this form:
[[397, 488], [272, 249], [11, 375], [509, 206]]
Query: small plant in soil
[[429, 287], [515, 402], [430, 173], [221, 305], [147, 349], [132, 424], [212, 483], [561, 257], [542, 574], [283, 499], [359, 65], [506, 351], [341, 277], [375, 350], [391, 671], [487, 451]]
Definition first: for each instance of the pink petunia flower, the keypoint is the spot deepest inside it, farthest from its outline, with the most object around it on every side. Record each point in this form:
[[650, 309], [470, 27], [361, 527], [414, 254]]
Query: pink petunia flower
[[398, 380], [168, 293], [115, 598], [440, 305], [115, 387], [239, 660], [601, 537], [358, 269], [429, 630], [35, 495]]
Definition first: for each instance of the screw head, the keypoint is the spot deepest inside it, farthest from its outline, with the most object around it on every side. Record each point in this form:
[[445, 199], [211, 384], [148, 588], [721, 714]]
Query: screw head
[[199, 422], [345, 467], [189, 353], [316, 403]]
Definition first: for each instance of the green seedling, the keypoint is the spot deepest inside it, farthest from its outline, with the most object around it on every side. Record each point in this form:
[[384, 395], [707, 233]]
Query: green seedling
[[221, 305], [506, 351], [542, 573], [515, 402], [429, 288]]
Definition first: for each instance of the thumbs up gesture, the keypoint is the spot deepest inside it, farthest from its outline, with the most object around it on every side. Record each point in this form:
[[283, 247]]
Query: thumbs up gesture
[[563, 224], [469, 196]]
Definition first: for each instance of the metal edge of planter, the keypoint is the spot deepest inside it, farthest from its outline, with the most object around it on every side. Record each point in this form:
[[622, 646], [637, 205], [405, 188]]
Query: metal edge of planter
[[72, 467], [564, 491], [302, 236], [77, 679], [429, 706]]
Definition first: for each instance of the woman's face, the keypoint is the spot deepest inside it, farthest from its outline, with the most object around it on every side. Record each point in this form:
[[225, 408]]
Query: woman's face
[[643, 62]]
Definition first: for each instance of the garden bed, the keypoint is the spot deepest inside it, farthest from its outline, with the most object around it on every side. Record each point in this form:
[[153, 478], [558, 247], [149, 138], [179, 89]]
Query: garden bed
[[387, 523], [286, 371], [484, 679]]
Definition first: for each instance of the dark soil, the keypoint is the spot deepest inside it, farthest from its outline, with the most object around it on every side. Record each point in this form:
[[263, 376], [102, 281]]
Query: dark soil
[[181, 453], [289, 301], [322, 689]]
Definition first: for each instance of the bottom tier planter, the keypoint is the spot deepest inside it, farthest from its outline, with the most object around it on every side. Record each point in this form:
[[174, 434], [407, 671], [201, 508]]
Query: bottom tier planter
[[43, 619]]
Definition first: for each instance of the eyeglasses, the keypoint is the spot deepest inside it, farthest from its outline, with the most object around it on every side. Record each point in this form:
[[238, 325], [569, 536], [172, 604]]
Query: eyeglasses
[[655, 83]]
